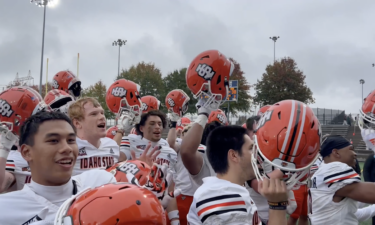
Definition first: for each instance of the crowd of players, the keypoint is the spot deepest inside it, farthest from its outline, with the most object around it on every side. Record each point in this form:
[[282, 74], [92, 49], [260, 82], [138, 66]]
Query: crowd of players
[[60, 165]]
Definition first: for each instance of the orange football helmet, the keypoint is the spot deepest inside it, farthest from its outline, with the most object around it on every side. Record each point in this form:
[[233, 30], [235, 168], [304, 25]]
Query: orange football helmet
[[177, 102], [181, 123], [68, 82], [123, 95], [120, 203], [17, 104], [208, 76], [218, 116], [139, 169], [367, 112], [149, 103], [288, 137], [56, 99], [263, 110], [111, 132]]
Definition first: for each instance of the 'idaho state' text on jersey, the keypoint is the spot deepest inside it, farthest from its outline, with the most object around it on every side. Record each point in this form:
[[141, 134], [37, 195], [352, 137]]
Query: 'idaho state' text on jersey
[[138, 144], [90, 157]]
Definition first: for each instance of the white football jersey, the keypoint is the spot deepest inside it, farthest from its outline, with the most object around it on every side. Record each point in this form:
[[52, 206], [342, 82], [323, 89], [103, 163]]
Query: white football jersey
[[316, 165], [329, 178], [219, 201], [18, 166], [27, 207], [261, 203], [206, 170], [138, 144], [90, 157], [368, 136], [182, 179]]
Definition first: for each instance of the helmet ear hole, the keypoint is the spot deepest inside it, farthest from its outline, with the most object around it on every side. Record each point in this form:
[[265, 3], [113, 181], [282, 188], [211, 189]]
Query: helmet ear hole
[[279, 115], [312, 125], [218, 80], [131, 95]]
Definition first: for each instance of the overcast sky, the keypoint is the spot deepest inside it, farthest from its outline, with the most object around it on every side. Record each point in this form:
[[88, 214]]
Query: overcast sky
[[331, 41]]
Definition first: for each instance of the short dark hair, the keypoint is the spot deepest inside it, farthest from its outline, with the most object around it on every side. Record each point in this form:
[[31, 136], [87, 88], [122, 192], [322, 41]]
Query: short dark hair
[[207, 130], [145, 116], [250, 122], [30, 127], [220, 141]]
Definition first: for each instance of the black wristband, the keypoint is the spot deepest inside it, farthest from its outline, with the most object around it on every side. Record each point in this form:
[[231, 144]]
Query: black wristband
[[172, 124], [278, 205]]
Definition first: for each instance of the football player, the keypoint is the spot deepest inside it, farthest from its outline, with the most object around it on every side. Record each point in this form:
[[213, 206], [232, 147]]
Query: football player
[[222, 199], [16, 105], [336, 187], [48, 144], [207, 78], [95, 149]]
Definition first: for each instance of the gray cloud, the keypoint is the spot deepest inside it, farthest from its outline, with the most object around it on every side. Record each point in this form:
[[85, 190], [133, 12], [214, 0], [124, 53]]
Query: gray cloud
[[331, 41]]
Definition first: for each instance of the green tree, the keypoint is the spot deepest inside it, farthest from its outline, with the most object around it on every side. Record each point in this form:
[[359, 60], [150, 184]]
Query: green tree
[[243, 103], [176, 80], [282, 80], [148, 77], [98, 91]]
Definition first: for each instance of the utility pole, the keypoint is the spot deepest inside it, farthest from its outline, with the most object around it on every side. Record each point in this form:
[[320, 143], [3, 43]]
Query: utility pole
[[274, 39], [362, 81], [119, 43], [42, 3]]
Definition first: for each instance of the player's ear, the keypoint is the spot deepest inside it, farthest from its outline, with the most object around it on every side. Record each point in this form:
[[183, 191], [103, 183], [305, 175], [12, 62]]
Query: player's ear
[[77, 124], [233, 155], [335, 152], [26, 152]]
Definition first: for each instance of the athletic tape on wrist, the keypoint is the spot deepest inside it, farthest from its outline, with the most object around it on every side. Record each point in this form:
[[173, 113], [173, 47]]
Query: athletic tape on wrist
[[4, 153], [202, 120], [173, 215]]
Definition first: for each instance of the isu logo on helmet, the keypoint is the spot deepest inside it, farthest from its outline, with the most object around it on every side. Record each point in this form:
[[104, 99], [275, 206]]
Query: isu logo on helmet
[[171, 102], [221, 118], [55, 84], [129, 168], [265, 117], [205, 71], [118, 92], [5, 108], [144, 106], [113, 132]]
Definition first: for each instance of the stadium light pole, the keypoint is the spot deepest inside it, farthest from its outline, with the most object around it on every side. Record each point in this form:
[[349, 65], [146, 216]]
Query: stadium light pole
[[119, 43], [362, 81], [274, 39], [44, 4]]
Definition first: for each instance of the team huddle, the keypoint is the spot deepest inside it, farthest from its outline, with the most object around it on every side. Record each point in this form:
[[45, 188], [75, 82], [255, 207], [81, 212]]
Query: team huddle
[[61, 165]]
